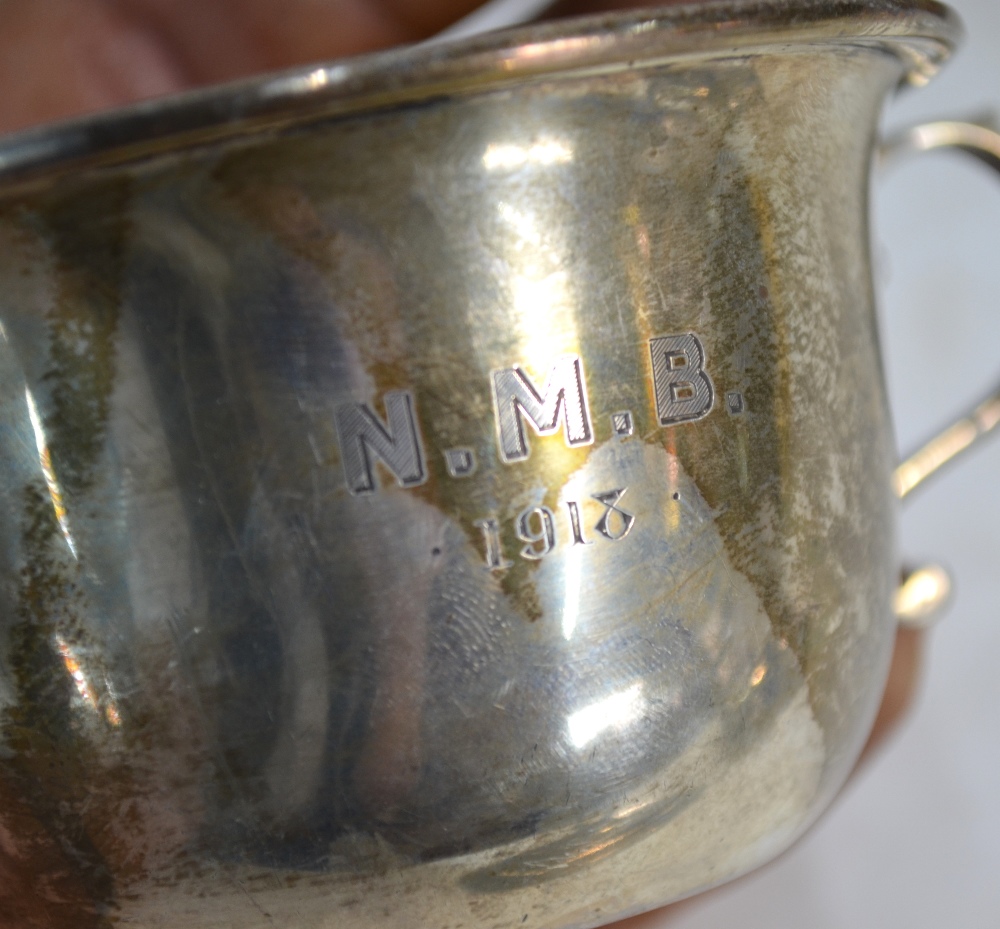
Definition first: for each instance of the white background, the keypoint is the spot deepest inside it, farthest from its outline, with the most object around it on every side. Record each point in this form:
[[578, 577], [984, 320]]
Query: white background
[[914, 841]]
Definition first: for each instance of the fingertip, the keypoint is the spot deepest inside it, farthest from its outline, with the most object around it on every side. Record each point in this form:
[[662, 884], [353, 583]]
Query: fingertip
[[65, 58]]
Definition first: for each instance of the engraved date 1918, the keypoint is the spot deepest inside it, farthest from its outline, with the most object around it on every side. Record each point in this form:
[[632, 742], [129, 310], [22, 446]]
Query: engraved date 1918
[[535, 526]]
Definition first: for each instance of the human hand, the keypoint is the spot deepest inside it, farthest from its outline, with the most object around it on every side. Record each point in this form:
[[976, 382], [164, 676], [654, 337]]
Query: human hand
[[61, 58]]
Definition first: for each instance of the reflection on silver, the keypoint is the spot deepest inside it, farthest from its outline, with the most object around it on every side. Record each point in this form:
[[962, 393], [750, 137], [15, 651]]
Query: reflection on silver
[[923, 596], [51, 481], [538, 284], [318, 78], [510, 157], [571, 607], [612, 712], [84, 688], [76, 673]]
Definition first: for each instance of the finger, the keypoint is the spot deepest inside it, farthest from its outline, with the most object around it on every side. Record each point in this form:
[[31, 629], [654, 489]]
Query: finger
[[222, 39], [61, 58], [586, 7]]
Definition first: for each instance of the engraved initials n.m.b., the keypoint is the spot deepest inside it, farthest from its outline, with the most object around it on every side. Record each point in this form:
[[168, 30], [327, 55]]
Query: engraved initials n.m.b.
[[684, 391], [516, 399], [396, 442]]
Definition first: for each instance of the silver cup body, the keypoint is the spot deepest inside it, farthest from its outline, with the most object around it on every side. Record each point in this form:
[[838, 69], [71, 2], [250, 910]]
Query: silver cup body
[[468, 505]]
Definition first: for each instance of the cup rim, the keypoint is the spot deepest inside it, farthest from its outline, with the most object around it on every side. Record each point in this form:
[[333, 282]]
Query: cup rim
[[922, 33]]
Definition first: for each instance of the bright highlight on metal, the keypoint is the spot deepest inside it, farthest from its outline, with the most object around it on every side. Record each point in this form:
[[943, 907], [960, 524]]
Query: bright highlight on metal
[[508, 157], [587, 724], [574, 577], [83, 686], [74, 670], [45, 460], [923, 596]]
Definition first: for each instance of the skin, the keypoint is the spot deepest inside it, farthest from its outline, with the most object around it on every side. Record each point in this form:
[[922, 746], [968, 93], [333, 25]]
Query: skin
[[64, 58]]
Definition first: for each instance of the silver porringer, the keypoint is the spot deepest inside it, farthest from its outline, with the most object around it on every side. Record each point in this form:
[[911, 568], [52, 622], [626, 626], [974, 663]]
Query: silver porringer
[[452, 487]]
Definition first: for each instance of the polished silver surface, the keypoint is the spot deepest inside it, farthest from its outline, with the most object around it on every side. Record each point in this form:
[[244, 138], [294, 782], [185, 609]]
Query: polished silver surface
[[449, 488]]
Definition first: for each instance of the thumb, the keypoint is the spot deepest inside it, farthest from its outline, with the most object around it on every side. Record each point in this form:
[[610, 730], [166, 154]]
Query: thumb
[[62, 58]]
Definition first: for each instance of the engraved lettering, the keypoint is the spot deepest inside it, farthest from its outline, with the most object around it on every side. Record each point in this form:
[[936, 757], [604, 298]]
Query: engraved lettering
[[684, 391], [536, 527], [622, 423], [396, 442], [495, 560], [625, 521], [461, 462], [516, 399], [735, 403], [541, 540], [574, 520]]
